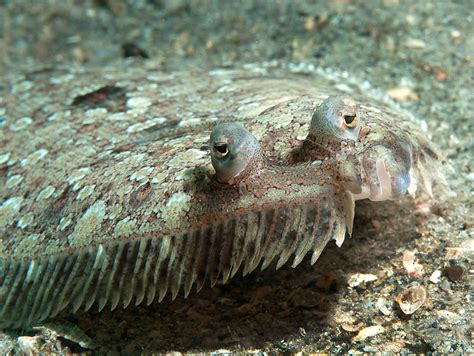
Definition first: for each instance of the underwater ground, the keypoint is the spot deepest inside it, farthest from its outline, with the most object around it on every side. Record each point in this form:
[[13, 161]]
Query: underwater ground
[[421, 54]]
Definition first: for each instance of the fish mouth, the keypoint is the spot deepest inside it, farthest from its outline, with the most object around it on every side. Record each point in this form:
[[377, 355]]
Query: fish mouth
[[385, 185]]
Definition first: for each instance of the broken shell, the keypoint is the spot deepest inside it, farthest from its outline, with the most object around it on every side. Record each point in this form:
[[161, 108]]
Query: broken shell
[[411, 299]]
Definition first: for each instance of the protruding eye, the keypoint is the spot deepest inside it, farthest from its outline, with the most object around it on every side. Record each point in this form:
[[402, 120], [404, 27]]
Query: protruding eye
[[350, 120], [336, 117], [235, 152], [221, 149]]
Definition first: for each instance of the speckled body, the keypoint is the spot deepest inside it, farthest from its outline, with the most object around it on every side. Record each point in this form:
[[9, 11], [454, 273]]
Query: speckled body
[[107, 194]]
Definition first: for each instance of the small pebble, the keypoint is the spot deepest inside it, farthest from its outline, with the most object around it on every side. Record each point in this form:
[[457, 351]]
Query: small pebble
[[454, 273], [412, 265], [351, 327], [445, 285], [414, 43], [435, 276], [29, 344], [368, 332], [358, 278], [402, 93]]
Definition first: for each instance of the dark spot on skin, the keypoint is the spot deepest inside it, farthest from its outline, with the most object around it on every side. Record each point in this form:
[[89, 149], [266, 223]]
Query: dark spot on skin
[[111, 97], [60, 202], [123, 148], [89, 128], [130, 49]]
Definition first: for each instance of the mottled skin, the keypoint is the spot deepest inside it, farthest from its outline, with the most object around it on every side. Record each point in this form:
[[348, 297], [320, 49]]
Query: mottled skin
[[108, 195]]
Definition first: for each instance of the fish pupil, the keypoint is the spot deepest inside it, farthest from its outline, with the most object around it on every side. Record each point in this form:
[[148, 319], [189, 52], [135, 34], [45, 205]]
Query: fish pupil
[[221, 148], [349, 119]]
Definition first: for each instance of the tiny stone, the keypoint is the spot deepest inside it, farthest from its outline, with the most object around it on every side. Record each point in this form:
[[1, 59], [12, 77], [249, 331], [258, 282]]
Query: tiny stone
[[357, 279], [368, 332], [29, 344], [402, 93], [454, 273], [445, 285], [435, 276], [455, 34], [415, 44]]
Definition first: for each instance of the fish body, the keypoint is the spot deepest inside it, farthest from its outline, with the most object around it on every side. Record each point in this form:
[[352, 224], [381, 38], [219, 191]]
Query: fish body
[[108, 195]]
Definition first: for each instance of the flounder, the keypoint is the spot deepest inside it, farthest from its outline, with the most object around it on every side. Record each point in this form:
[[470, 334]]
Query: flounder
[[113, 194]]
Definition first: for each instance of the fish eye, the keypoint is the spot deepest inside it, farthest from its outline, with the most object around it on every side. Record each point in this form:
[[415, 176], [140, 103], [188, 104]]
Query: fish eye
[[221, 149], [235, 152], [350, 120]]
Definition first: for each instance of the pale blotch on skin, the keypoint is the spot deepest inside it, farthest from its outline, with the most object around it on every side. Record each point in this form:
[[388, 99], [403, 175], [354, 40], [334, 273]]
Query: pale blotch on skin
[[45, 193], [140, 126], [25, 85], [185, 174], [9, 210], [125, 227], [122, 155], [21, 124], [278, 121], [85, 150], [34, 157], [176, 142], [301, 132], [4, 157], [259, 132], [282, 147], [75, 179], [228, 89], [61, 79], [124, 190], [191, 157], [138, 158], [65, 222], [119, 116], [27, 243], [189, 122], [142, 174], [139, 102], [13, 181], [114, 211], [87, 226], [96, 112], [85, 192], [159, 177], [175, 209], [60, 115], [91, 115], [25, 220]]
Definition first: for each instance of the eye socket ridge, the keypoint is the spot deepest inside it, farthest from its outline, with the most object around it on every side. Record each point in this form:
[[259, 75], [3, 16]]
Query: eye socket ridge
[[350, 120], [221, 149]]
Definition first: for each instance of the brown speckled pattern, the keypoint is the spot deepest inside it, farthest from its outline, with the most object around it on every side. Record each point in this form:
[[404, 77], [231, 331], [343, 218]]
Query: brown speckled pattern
[[106, 195]]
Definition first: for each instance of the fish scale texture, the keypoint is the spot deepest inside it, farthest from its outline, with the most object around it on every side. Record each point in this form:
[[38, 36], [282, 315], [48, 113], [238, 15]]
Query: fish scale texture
[[109, 188]]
